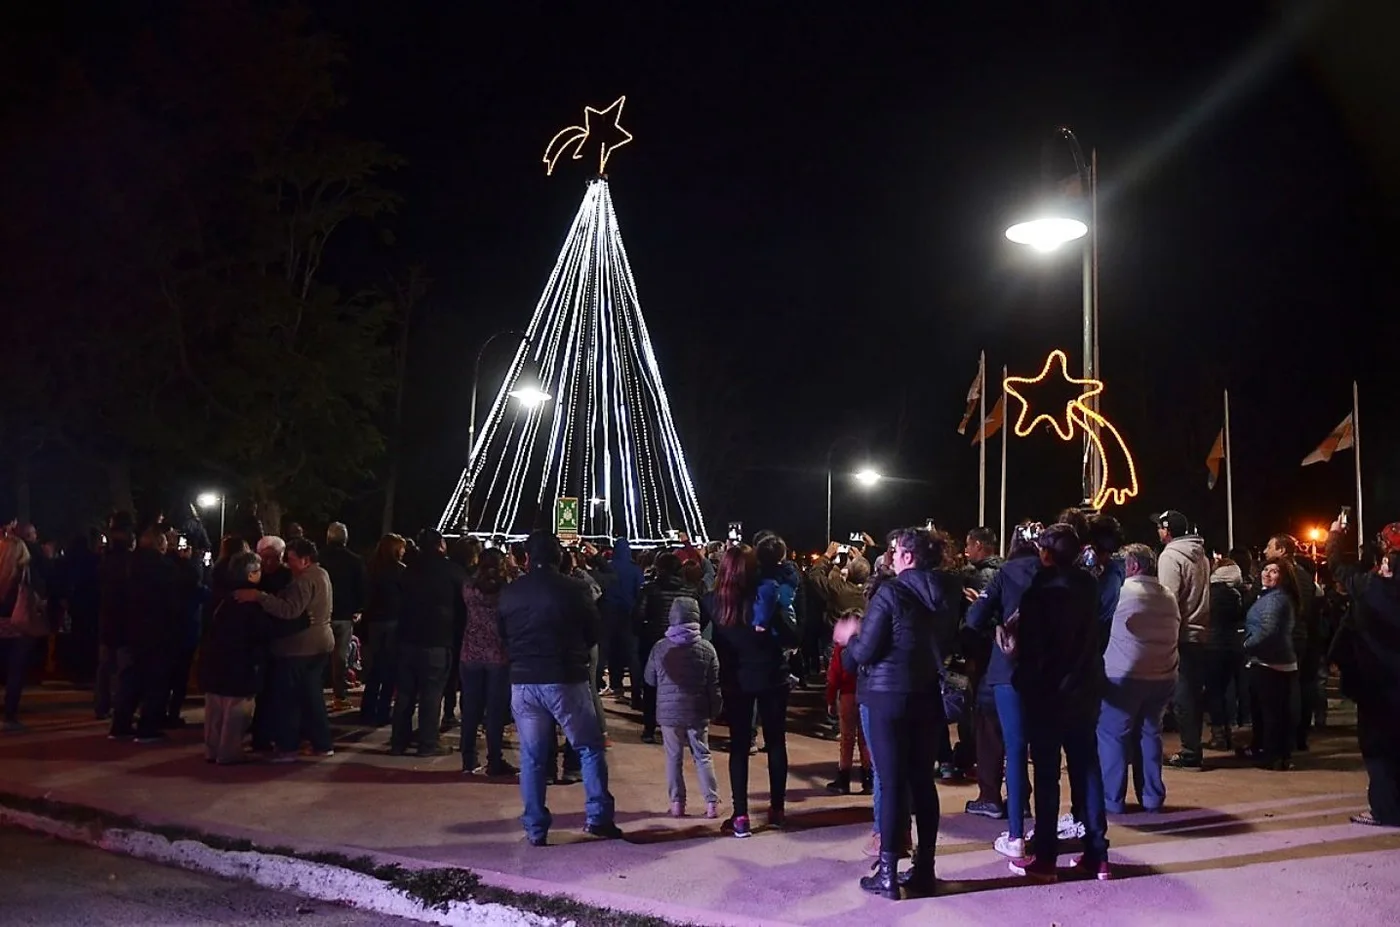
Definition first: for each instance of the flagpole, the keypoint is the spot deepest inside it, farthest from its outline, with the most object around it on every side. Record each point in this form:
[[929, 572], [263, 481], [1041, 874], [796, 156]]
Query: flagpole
[[1229, 479], [1356, 453], [1004, 430], [982, 445]]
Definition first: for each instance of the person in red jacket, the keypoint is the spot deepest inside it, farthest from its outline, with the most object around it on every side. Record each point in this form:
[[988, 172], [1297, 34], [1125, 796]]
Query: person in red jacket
[[841, 702]]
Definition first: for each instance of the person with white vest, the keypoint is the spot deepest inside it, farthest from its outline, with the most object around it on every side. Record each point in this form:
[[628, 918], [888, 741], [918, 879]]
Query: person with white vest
[[1140, 665]]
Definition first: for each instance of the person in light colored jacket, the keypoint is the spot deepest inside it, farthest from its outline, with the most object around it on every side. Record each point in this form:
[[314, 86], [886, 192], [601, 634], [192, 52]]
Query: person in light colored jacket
[[1141, 667], [1184, 570], [684, 668]]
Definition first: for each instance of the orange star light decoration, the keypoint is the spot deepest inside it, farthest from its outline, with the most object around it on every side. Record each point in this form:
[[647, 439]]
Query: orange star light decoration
[[1078, 415], [575, 136]]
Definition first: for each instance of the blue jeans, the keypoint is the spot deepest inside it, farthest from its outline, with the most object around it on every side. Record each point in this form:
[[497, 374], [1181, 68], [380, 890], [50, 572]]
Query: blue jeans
[[1013, 733], [875, 789], [537, 709], [1130, 730], [1079, 739]]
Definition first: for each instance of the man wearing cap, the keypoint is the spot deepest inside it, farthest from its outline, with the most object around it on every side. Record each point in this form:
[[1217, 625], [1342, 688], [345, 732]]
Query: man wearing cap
[[1184, 570]]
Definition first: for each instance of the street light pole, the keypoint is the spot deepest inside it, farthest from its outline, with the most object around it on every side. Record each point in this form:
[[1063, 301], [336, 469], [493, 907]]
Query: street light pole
[[1048, 233], [471, 425]]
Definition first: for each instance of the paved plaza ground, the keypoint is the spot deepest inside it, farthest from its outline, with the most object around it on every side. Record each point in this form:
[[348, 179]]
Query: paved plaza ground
[[1236, 845]]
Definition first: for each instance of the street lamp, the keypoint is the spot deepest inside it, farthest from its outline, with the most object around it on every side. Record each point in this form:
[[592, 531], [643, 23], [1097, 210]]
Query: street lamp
[[528, 396], [1047, 232], [866, 476], [206, 501]]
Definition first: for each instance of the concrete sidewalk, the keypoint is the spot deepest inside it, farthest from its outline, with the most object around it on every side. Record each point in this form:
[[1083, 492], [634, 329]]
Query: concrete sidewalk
[[1236, 846]]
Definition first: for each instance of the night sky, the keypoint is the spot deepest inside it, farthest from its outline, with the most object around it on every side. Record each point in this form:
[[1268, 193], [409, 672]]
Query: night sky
[[814, 204]]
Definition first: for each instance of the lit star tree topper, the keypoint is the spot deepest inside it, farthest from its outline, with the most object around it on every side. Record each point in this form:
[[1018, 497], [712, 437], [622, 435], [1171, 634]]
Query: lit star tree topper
[[1079, 417], [595, 123], [609, 436]]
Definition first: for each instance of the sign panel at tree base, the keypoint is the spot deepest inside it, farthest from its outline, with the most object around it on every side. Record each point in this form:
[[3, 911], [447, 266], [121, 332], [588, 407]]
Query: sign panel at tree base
[[566, 518]]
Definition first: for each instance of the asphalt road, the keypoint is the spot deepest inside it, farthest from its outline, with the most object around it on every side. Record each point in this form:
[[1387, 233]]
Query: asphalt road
[[48, 882]]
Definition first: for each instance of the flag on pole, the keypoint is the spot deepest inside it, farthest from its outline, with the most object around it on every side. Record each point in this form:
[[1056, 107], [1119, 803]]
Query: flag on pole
[[993, 422], [1340, 439], [1217, 454], [974, 393]]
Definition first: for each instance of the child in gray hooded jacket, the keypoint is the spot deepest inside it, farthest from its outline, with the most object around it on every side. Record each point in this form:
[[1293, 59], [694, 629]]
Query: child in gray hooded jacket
[[684, 668]]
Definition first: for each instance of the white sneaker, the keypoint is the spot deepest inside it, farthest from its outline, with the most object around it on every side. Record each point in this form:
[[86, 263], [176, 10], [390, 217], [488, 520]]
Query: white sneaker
[[1011, 847], [1070, 829]]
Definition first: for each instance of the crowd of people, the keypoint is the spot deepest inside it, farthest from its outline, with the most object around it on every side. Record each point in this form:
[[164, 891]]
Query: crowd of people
[[1074, 645]]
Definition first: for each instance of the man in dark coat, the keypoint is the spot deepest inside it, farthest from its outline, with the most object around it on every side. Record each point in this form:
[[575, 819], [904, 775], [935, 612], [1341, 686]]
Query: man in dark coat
[[432, 607], [1059, 676], [1367, 649], [549, 625]]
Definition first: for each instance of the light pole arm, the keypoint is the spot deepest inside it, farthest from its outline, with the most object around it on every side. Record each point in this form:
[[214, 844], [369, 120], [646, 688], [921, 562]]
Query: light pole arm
[[830, 452]]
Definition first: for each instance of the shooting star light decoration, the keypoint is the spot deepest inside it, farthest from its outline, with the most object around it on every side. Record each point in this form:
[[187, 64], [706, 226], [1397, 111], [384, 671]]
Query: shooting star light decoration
[[1077, 415], [575, 136]]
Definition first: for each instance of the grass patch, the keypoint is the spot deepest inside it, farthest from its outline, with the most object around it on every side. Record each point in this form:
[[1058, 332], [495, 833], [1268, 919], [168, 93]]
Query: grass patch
[[434, 889]]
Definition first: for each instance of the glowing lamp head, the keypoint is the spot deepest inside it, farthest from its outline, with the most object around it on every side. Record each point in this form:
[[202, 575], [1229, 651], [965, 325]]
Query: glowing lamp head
[[1047, 234], [1314, 534], [867, 477], [530, 396], [208, 500]]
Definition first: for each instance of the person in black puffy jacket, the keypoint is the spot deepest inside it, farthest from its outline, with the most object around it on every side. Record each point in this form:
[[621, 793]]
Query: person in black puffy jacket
[[895, 650]]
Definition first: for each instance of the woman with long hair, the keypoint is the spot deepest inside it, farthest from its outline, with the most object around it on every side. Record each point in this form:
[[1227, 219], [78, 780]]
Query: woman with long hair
[[1272, 663], [485, 670], [16, 642], [758, 678], [379, 628]]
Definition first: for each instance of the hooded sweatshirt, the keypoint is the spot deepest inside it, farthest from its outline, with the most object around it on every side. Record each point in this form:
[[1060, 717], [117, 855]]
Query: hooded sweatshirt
[[1184, 571], [1227, 607], [684, 668], [620, 596]]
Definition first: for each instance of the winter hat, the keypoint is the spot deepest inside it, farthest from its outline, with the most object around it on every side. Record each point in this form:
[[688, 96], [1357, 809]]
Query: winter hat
[[685, 610]]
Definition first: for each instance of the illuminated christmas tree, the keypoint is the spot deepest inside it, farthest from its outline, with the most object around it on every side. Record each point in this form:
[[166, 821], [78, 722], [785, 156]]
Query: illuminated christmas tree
[[598, 426]]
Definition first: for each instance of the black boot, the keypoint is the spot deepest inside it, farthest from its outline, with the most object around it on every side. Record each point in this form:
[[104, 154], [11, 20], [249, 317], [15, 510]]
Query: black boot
[[867, 781], [842, 785], [920, 881], [884, 880]]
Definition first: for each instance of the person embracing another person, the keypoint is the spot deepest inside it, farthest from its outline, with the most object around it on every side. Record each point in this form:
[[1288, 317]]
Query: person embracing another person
[[1059, 677]]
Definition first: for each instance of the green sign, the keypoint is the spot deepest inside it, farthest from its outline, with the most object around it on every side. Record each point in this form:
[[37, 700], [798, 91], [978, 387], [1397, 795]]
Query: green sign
[[566, 519]]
